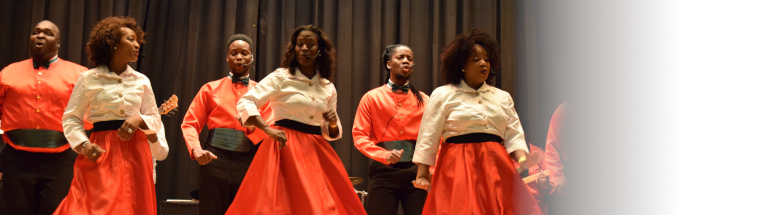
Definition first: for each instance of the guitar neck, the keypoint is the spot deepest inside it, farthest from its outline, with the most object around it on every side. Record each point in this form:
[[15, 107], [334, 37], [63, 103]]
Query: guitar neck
[[535, 176]]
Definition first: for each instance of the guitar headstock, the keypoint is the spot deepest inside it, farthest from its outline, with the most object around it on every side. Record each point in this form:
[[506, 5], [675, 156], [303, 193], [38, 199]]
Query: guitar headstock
[[169, 106]]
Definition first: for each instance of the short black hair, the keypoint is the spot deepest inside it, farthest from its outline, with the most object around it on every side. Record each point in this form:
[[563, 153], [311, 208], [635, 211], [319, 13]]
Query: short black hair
[[240, 37]]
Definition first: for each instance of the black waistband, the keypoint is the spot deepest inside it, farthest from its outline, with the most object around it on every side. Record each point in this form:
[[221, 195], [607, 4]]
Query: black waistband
[[302, 127], [38, 138], [107, 125], [475, 138], [229, 139]]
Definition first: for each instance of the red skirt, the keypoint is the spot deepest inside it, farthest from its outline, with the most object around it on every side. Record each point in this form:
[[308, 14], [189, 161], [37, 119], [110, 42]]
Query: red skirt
[[305, 177], [477, 178], [119, 182]]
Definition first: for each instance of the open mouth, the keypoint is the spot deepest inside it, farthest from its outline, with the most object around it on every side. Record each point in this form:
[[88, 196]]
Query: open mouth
[[407, 67], [485, 71], [39, 44]]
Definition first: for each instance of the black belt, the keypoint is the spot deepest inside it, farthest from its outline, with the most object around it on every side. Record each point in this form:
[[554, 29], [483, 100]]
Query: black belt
[[408, 146], [302, 127], [230, 139], [38, 138], [475, 138], [108, 125]]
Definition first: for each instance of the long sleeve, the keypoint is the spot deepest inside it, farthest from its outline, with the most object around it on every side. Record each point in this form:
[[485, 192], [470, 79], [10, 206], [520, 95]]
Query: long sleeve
[[514, 137], [73, 118], [160, 148], [331, 105], [248, 105], [149, 111], [195, 119], [361, 132], [431, 128], [554, 154]]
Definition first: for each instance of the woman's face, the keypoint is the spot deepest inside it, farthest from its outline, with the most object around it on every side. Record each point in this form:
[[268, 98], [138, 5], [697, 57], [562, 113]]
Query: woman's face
[[239, 57], [477, 67], [400, 64], [306, 48], [128, 48]]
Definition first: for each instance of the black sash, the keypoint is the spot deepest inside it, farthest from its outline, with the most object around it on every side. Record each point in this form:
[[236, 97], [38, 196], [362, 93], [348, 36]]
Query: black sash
[[107, 125], [229, 139], [302, 127], [37, 138], [408, 147], [475, 138]]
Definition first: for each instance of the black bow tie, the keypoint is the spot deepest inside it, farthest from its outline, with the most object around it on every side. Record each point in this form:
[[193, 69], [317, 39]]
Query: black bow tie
[[396, 87], [244, 80], [36, 64]]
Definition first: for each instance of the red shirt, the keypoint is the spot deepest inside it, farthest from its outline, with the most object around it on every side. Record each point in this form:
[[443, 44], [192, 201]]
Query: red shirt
[[383, 116], [36, 98], [215, 107], [555, 156]]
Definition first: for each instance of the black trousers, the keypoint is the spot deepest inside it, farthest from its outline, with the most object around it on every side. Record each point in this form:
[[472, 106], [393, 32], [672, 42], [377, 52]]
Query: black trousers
[[220, 179], [390, 186], [35, 183]]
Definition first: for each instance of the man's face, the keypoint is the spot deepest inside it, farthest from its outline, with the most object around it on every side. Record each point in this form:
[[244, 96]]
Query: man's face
[[44, 40]]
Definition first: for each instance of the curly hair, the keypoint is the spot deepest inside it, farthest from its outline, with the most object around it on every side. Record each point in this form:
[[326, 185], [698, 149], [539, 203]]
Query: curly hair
[[388, 52], [106, 35], [242, 37], [325, 62], [455, 56]]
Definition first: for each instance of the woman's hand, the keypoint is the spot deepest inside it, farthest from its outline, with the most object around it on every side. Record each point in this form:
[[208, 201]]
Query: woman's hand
[[331, 117], [92, 151], [423, 178], [277, 135], [129, 127], [421, 183]]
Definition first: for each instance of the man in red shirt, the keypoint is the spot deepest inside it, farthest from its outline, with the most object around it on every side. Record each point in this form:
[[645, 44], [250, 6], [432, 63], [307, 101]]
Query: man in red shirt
[[556, 156], [38, 162], [385, 129], [229, 147]]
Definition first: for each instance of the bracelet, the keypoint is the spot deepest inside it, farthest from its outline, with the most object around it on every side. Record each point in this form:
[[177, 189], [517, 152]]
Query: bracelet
[[83, 146], [521, 159], [333, 126]]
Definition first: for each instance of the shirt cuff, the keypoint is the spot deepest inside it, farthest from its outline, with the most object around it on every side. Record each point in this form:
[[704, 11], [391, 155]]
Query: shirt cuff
[[150, 129], [249, 111], [422, 157], [76, 140]]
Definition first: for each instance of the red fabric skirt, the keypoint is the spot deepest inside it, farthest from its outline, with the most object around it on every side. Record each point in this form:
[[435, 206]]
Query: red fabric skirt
[[305, 177], [119, 182], [477, 178]]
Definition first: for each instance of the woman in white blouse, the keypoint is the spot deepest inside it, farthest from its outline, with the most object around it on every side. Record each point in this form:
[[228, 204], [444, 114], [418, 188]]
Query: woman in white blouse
[[296, 171], [481, 133], [113, 174]]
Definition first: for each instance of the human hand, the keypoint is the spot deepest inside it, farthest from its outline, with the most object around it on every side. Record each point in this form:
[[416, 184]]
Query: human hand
[[203, 156], [129, 127]]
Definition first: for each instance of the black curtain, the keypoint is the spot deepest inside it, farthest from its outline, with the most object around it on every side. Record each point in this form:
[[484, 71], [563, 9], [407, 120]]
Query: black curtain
[[185, 48]]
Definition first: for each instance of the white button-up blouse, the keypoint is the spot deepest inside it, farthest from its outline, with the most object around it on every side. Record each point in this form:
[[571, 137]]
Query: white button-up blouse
[[101, 95], [455, 110], [293, 97]]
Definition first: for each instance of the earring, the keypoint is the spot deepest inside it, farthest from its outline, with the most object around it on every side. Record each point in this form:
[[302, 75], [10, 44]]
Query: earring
[[462, 70], [115, 48]]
